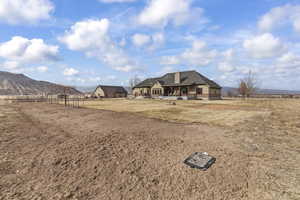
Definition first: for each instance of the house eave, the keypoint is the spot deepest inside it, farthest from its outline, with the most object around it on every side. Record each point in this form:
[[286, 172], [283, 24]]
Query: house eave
[[142, 87]]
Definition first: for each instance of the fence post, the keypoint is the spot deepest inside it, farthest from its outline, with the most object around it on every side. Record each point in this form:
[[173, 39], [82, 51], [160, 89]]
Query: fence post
[[65, 96]]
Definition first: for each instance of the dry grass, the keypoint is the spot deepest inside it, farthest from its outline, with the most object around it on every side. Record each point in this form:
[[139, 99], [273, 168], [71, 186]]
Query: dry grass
[[223, 113], [272, 143]]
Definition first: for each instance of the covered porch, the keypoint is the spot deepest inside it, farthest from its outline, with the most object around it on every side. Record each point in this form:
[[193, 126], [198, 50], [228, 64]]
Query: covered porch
[[188, 92], [176, 91]]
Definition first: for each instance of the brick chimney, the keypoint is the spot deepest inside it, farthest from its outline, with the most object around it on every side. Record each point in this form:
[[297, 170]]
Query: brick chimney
[[177, 77]]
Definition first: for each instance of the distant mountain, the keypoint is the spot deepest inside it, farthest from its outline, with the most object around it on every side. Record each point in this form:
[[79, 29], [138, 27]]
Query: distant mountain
[[19, 84], [234, 91]]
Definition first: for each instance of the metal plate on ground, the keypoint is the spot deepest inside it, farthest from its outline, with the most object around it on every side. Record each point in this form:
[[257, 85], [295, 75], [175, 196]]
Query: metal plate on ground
[[200, 160]]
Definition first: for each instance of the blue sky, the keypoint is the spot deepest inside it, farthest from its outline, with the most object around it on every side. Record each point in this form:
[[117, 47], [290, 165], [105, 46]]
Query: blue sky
[[110, 41]]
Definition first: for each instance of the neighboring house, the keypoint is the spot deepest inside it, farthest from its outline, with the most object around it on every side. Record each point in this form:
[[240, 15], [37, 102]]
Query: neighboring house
[[105, 91], [190, 84]]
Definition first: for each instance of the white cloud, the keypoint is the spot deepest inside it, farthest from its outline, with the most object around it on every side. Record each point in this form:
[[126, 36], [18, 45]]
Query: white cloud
[[28, 51], [95, 79], [10, 65], [16, 67], [87, 35], [76, 79], [296, 25], [162, 12], [92, 38], [288, 60], [228, 55], [288, 57], [264, 46], [198, 55], [116, 1], [228, 61], [70, 72], [268, 72], [170, 60], [154, 41], [158, 39], [25, 11], [84, 80], [279, 16], [42, 69], [165, 70], [226, 67], [123, 42], [233, 64], [140, 39], [126, 68]]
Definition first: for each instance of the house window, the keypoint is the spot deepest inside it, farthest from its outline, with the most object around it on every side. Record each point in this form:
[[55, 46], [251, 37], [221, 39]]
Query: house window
[[157, 91], [199, 91]]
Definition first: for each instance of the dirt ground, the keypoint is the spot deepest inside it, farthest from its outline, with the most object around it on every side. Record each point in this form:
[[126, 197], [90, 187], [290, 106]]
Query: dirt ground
[[52, 152]]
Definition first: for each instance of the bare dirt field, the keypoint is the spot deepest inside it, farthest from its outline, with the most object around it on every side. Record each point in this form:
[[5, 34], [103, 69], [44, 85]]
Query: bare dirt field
[[52, 152]]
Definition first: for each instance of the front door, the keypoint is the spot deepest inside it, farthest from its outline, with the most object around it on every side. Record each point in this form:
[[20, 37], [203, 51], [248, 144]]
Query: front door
[[168, 91], [184, 91]]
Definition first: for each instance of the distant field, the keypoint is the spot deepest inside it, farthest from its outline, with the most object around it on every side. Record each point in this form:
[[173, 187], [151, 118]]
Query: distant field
[[223, 112]]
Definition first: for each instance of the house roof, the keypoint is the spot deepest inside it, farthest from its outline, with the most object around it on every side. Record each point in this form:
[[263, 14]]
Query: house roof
[[186, 78], [107, 89]]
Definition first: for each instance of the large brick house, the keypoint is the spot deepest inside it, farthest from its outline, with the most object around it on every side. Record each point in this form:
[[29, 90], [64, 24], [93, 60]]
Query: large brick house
[[189, 84]]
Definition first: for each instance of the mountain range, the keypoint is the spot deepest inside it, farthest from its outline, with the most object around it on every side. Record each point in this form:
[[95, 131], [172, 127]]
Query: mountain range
[[19, 84]]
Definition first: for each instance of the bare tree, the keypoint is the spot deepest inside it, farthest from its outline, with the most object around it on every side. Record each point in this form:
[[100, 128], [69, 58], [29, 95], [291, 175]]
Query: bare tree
[[134, 81], [248, 85]]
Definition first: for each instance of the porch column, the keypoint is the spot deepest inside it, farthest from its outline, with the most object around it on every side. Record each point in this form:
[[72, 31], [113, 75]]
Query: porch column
[[179, 91]]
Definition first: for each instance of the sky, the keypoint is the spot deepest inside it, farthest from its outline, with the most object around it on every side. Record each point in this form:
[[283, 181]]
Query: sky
[[92, 42]]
